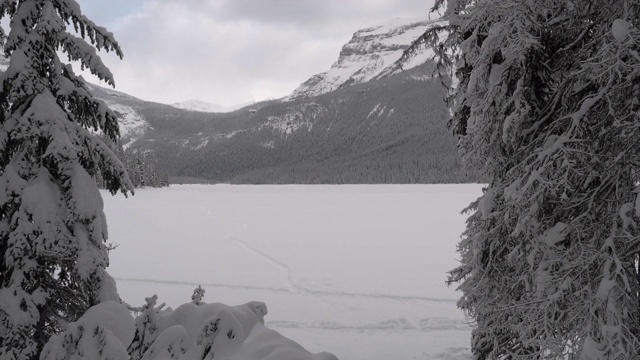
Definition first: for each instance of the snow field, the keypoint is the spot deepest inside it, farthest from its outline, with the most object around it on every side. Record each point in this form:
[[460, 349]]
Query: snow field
[[355, 270]]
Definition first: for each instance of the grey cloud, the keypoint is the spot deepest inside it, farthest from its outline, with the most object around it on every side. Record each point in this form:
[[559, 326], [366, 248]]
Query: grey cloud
[[230, 51], [275, 11], [105, 12], [312, 14]]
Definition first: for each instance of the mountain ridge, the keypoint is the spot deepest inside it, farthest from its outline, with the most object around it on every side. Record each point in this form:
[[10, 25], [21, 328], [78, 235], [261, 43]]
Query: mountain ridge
[[375, 124], [203, 106], [371, 53]]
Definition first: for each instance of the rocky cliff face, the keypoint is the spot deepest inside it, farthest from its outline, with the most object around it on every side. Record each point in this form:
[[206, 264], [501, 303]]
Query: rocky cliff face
[[370, 54], [132, 125]]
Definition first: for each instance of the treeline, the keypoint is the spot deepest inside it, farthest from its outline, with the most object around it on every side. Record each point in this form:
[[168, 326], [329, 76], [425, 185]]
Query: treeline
[[143, 167], [428, 170]]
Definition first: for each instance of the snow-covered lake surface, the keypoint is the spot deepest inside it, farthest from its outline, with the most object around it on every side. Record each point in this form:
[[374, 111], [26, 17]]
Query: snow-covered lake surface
[[355, 270]]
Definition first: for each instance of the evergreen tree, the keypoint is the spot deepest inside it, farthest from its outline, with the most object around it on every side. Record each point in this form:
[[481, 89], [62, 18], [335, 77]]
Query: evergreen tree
[[147, 328], [52, 225], [198, 295], [143, 168], [547, 106]]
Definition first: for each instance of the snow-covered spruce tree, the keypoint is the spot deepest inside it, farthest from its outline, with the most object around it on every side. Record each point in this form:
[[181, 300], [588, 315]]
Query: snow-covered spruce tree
[[198, 295], [547, 104], [52, 226], [143, 168], [147, 328]]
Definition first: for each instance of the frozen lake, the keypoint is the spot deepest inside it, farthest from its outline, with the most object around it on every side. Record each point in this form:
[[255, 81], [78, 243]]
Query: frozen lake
[[355, 270]]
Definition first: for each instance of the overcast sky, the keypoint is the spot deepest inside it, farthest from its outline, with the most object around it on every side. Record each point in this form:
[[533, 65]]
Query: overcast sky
[[229, 52]]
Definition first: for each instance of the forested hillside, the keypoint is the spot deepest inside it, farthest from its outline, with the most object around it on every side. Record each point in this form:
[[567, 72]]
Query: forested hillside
[[386, 127], [391, 130]]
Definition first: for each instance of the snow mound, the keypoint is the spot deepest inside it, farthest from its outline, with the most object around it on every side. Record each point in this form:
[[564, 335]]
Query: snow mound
[[103, 332], [203, 331], [190, 332], [267, 344]]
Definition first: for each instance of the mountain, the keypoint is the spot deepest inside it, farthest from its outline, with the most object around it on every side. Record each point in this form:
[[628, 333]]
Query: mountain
[[132, 125], [371, 53], [362, 121], [203, 106]]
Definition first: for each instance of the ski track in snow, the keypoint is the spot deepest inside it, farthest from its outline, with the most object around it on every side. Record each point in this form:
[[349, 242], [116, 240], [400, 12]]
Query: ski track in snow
[[399, 298], [294, 286], [327, 298], [285, 270], [192, 283], [398, 324]]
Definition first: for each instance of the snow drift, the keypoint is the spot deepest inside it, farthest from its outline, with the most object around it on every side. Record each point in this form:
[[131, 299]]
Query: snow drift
[[191, 331]]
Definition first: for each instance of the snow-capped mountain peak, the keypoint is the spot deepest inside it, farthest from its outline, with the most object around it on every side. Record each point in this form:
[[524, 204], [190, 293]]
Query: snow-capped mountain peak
[[203, 106], [372, 52], [197, 105]]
